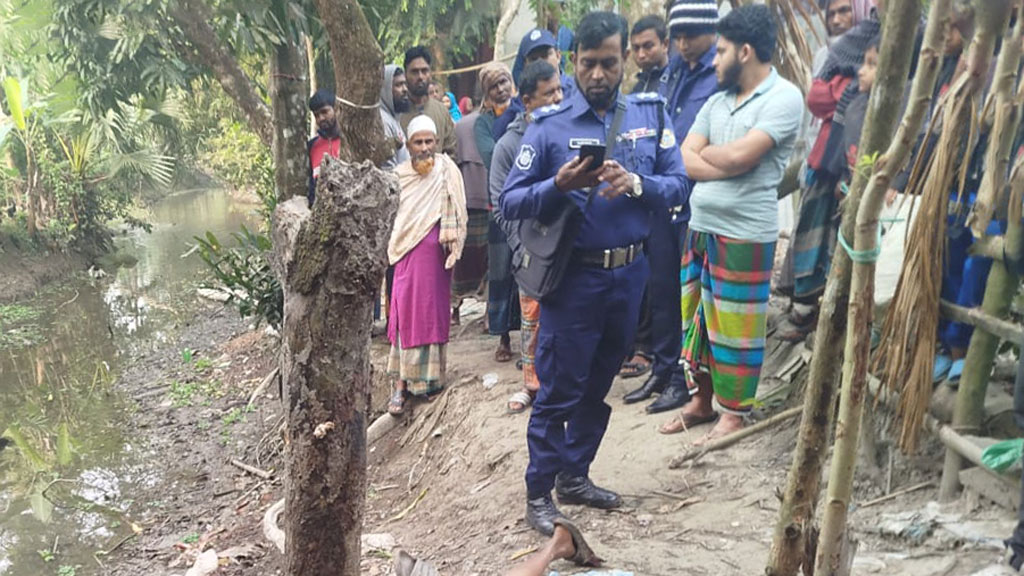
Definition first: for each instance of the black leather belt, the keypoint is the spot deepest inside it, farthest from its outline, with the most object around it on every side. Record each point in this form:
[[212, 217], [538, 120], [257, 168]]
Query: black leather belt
[[611, 258]]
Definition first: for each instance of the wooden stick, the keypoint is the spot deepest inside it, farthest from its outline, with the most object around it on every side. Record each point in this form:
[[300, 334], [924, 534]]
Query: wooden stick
[[252, 469], [409, 508], [521, 553], [263, 387], [730, 439], [897, 494], [1004, 329]]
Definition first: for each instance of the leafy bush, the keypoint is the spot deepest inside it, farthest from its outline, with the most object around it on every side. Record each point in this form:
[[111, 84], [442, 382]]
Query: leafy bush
[[245, 273]]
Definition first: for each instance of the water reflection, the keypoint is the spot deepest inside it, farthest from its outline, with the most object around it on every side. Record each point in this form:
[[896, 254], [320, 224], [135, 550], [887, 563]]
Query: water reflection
[[57, 399]]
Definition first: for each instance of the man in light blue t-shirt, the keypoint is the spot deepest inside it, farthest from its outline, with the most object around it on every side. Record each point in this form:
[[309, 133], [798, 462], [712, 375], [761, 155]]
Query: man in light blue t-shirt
[[736, 151]]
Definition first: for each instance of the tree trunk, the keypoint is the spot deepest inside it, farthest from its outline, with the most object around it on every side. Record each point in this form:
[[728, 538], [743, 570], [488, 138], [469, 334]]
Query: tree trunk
[[331, 261], [194, 17], [795, 527], [894, 65], [509, 9], [358, 72], [288, 103]]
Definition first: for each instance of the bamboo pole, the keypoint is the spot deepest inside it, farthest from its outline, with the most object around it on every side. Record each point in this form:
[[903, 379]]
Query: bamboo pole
[[1004, 128], [794, 527], [1002, 285], [976, 317], [894, 66]]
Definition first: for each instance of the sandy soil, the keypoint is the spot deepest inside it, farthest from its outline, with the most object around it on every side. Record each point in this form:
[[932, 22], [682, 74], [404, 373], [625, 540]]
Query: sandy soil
[[713, 517]]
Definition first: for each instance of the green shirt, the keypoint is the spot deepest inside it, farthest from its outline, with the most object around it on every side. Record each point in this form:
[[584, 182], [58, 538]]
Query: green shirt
[[746, 207]]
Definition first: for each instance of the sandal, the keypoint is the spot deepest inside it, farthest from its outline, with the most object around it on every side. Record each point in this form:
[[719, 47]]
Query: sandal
[[396, 404], [584, 556], [956, 369], [634, 368], [684, 422], [524, 398]]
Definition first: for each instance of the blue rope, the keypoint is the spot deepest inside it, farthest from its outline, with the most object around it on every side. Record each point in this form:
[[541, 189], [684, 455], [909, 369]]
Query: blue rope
[[862, 256]]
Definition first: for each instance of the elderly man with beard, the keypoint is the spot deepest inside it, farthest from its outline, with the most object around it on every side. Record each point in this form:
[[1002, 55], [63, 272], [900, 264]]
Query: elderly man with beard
[[426, 242], [736, 151], [394, 100], [588, 321]]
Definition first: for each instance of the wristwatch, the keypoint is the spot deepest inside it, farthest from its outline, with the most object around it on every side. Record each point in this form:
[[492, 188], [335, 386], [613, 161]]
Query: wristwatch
[[638, 186]]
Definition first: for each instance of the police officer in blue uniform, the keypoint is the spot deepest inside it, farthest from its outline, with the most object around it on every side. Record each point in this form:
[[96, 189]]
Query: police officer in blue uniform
[[588, 323]]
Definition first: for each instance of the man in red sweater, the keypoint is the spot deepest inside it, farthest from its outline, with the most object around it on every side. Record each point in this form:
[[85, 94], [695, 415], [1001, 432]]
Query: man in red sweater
[[328, 138]]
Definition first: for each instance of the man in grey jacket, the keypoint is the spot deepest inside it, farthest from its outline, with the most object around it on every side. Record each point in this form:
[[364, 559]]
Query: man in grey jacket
[[394, 100], [539, 86]]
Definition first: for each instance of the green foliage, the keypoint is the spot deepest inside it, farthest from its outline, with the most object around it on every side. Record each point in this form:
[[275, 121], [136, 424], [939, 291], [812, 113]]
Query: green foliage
[[19, 326], [46, 555], [457, 26], [191, 538], [186, 355], [245, 273], [67, 570]]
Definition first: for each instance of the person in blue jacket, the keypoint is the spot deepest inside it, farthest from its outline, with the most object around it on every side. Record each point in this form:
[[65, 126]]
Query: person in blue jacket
[[537, 44], [686, 84], [588, 322]]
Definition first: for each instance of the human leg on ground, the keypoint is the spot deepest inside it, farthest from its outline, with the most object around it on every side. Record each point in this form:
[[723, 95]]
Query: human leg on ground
[[665, 291], [530, 318]]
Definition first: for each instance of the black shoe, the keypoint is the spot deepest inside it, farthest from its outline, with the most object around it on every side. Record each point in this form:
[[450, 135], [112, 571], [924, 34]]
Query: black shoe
[[673, 397], [580, 490], [654, 384], [541, 514]]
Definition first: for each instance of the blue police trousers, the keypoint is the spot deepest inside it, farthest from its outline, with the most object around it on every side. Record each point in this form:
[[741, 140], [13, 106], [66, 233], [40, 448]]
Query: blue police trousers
[[586, 328]]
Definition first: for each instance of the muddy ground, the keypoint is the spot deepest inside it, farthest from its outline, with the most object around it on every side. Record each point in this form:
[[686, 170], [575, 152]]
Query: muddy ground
[[26, 270], [466, 458]]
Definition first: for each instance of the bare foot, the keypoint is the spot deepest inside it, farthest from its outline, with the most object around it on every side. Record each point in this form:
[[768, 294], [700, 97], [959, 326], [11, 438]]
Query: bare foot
[[504, 351], [727, 424]]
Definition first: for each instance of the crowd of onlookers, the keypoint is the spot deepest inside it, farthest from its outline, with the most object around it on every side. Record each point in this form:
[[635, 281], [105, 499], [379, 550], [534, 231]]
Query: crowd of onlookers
[[628, 226]]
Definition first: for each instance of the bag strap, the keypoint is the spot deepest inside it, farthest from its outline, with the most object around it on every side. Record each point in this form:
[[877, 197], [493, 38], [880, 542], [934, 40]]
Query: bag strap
[[609, 146]]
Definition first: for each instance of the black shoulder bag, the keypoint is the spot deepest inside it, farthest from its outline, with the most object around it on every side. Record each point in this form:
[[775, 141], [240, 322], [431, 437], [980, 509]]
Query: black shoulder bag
[[548, 245]]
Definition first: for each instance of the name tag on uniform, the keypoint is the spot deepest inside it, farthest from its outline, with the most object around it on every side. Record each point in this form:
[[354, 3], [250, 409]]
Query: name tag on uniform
[[577, 143], [637, 134]]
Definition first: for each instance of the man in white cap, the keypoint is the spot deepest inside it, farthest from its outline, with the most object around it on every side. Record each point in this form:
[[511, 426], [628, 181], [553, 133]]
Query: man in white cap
[[426, 241]]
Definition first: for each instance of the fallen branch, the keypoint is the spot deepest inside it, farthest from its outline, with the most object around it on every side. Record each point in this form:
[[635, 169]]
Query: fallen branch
[[252, 469], [1005, 329], [671, 495], [409, 508], [730, 439], [897, 494], [262, 387], [521, 553]]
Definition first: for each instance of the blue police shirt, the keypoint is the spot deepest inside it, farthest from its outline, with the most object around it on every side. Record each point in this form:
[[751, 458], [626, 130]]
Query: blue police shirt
[[556, 136], [502, 122]]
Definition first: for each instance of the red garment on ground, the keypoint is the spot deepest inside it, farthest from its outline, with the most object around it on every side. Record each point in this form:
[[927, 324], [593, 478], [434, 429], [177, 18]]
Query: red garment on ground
[[822, 100]]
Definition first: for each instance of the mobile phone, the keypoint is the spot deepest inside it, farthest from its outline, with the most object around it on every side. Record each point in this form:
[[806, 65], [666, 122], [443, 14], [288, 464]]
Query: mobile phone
[[596, 152]]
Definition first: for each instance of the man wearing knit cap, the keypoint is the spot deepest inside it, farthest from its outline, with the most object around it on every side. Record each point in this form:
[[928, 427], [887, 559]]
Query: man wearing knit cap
[[426, 242], [736, 151], [686, 86]]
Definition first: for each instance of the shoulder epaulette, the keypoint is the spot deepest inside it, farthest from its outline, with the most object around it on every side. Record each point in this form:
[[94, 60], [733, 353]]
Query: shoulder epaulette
[[546, 111], [646, 98]]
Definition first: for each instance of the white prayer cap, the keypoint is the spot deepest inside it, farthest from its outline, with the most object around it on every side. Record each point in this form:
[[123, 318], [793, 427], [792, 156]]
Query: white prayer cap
[[421, 123]]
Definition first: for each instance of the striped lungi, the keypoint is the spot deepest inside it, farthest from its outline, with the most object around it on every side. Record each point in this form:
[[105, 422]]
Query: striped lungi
[[471, 269], [725, 288]]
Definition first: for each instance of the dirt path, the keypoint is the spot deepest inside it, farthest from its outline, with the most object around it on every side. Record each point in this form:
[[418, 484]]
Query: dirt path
[[713, 517]]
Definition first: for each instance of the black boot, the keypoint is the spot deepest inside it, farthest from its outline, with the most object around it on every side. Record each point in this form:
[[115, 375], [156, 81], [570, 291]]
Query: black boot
[[673, 397], [580, 490], [541, 514], [655, 384]]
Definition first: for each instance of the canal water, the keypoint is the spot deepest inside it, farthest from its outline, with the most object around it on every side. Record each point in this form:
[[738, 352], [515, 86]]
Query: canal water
[[68, 465]]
